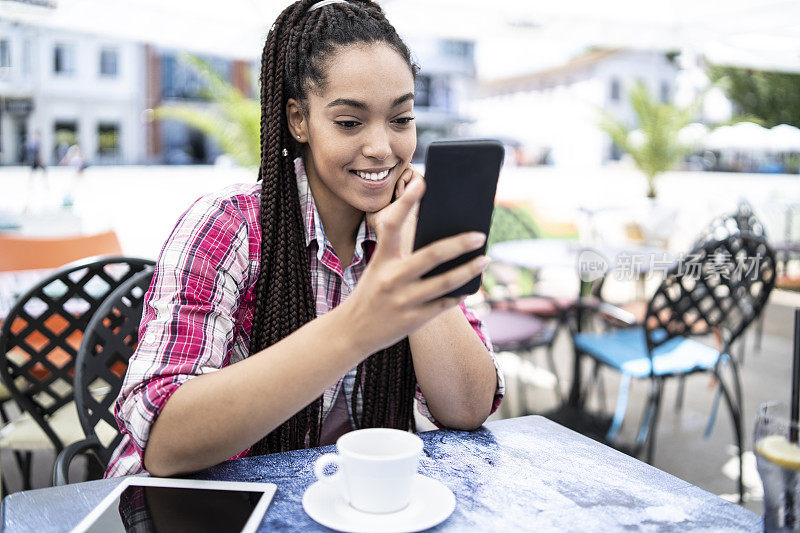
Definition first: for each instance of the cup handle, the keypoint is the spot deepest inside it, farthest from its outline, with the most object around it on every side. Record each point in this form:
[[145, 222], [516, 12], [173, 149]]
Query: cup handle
[[336, 479]]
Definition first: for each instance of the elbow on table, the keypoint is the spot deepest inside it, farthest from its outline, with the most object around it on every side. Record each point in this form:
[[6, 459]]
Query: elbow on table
[[159, 466], [467, 420], [161, 461]]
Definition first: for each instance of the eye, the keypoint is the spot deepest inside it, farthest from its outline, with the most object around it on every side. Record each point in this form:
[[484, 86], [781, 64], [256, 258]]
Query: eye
[[346, 124], [403, 121]]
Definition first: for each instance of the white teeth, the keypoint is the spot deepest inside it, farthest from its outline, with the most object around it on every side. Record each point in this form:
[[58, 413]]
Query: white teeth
[[373, 176]]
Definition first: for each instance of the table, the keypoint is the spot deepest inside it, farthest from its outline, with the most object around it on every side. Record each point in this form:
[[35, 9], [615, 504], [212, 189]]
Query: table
[[518, 474], [538, 254]]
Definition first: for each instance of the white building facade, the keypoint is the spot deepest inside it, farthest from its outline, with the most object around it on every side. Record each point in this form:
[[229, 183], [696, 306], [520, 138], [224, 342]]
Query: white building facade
[[553, 113], [71, 88]]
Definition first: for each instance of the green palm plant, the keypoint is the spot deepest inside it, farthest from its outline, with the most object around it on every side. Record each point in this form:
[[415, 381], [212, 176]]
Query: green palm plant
[[234, 122], [655, 145]]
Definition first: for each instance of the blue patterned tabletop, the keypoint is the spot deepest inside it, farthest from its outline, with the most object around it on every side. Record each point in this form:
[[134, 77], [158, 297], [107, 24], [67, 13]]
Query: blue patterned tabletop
[[520, 474]]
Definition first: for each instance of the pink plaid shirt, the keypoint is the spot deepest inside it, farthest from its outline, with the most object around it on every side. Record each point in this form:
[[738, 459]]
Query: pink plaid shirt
[[199, 309]]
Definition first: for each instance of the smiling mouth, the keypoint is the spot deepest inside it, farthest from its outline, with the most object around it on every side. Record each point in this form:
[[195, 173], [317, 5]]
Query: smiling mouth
[[373, 176]]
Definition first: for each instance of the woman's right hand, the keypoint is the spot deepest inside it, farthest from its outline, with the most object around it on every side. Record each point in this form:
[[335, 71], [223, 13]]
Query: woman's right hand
[[391, 299]]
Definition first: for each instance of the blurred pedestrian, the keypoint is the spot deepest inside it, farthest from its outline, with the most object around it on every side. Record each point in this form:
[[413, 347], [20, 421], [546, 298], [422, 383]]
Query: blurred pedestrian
[[33, 157], [75, 158]]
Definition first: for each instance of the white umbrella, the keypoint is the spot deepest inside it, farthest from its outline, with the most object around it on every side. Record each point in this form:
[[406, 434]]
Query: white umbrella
[[784, 138], [743, 136], [692, 134]]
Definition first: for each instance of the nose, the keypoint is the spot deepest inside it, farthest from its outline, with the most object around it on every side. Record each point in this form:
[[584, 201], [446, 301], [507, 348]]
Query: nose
[[376, 145]]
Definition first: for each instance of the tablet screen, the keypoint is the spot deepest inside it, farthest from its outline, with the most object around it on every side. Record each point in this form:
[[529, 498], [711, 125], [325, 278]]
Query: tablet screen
[[157, 509]]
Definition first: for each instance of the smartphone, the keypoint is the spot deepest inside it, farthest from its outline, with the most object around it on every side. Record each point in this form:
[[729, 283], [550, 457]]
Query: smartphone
[[461, 181]]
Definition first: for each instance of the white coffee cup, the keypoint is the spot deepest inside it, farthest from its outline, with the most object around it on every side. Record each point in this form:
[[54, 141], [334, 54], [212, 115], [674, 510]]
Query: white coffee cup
[[375, 468]]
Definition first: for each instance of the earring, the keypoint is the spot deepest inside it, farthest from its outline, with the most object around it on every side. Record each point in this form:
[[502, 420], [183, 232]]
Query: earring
[[285, 152], [298, 137]]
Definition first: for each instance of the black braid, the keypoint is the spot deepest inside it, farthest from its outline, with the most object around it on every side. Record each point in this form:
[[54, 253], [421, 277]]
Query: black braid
[[294, 61]]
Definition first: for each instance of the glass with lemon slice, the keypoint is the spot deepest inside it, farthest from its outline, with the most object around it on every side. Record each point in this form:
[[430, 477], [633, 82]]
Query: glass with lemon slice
[[778, 460]]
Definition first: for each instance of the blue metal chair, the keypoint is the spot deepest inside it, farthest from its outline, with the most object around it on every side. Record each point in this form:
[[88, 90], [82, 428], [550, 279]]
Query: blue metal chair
[[724, 285]]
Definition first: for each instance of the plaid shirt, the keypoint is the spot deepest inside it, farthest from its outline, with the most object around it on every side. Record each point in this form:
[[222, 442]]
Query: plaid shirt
[[199, 308]]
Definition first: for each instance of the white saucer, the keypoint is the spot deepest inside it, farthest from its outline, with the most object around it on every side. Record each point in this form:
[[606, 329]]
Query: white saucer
[[431, 503]]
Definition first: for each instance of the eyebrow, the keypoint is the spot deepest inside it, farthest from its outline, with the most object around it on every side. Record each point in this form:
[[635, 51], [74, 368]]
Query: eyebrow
[[361, 105]]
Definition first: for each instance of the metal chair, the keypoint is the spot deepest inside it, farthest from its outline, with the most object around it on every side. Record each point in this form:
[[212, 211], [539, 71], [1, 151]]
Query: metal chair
[[110, 339], [713, 294], [38, 345]]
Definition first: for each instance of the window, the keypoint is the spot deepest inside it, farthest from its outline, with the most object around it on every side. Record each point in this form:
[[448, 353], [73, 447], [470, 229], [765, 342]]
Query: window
[[453, 48], [108, 62], [614, 153], [108, 139], [65, 135], [664, 92], [64, 59], [614, 90], [5, 53], [422, 91]]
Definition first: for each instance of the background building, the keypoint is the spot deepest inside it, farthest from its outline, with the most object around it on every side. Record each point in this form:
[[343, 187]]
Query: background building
[[553, 112], [71, 88], [445, 83]]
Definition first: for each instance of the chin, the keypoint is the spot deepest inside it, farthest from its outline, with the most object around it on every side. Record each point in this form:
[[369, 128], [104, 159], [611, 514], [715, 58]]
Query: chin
[[372, 206]]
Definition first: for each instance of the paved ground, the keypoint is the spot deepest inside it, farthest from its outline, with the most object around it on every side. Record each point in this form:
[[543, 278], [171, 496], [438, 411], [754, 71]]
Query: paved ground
[[142, 204]]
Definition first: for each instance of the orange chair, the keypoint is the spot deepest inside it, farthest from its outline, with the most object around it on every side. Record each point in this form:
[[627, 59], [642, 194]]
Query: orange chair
[[19, 253]]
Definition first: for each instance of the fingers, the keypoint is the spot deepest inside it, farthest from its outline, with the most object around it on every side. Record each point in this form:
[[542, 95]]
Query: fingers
[[432, 288], [396, 214], [405, 178], [441, 251]]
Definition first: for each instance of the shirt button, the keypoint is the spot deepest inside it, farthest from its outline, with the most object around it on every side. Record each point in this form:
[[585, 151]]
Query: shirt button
[[150, 338]]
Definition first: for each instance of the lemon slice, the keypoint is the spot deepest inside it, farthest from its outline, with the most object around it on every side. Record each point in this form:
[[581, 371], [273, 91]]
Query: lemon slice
[[779, 450]]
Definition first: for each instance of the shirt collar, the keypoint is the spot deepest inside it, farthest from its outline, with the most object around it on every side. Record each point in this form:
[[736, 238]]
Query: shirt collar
[[313, 223]]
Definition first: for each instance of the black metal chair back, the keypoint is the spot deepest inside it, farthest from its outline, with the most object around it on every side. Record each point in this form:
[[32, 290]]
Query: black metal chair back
[[723, 284], [111, 338], [41, 334], [741, 220]]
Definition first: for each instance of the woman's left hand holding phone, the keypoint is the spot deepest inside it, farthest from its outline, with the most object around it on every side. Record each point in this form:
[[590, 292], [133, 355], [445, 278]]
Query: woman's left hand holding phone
[[392, 299]]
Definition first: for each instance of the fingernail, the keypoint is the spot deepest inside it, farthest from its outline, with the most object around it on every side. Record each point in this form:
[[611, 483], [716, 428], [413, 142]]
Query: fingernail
[[478, 238], [483, 261]]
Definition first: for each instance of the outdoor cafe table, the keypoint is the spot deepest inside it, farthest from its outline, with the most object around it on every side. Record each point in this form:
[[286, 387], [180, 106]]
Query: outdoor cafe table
[[518, 474], [538, 254]]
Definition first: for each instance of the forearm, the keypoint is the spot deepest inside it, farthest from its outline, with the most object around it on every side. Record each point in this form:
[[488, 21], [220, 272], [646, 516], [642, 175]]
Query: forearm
[[454, 370], [215, 416]]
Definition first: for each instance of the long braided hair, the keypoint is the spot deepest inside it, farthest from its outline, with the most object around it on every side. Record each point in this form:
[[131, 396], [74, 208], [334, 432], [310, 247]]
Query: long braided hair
[[294, 61]]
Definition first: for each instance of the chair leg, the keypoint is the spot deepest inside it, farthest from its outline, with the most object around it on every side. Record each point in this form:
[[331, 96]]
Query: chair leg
[[742, 350], [759, 333], [601, 392], [737, 427], [651, 442], [647, 427], [679, 397], [552, 364], [3, 414], [25, 459]]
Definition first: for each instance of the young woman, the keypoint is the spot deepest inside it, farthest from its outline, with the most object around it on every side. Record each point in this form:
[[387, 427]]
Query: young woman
[[286, 313]]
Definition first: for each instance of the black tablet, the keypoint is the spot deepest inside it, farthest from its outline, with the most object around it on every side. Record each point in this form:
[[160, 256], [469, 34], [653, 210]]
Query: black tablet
[[461, 182], [140, 504]]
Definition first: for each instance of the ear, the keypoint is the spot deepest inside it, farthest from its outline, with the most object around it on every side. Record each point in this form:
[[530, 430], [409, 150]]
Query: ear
[[298, 125]]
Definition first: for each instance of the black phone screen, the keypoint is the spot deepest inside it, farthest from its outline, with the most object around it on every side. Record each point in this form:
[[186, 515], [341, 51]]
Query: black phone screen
[[461, 178]]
